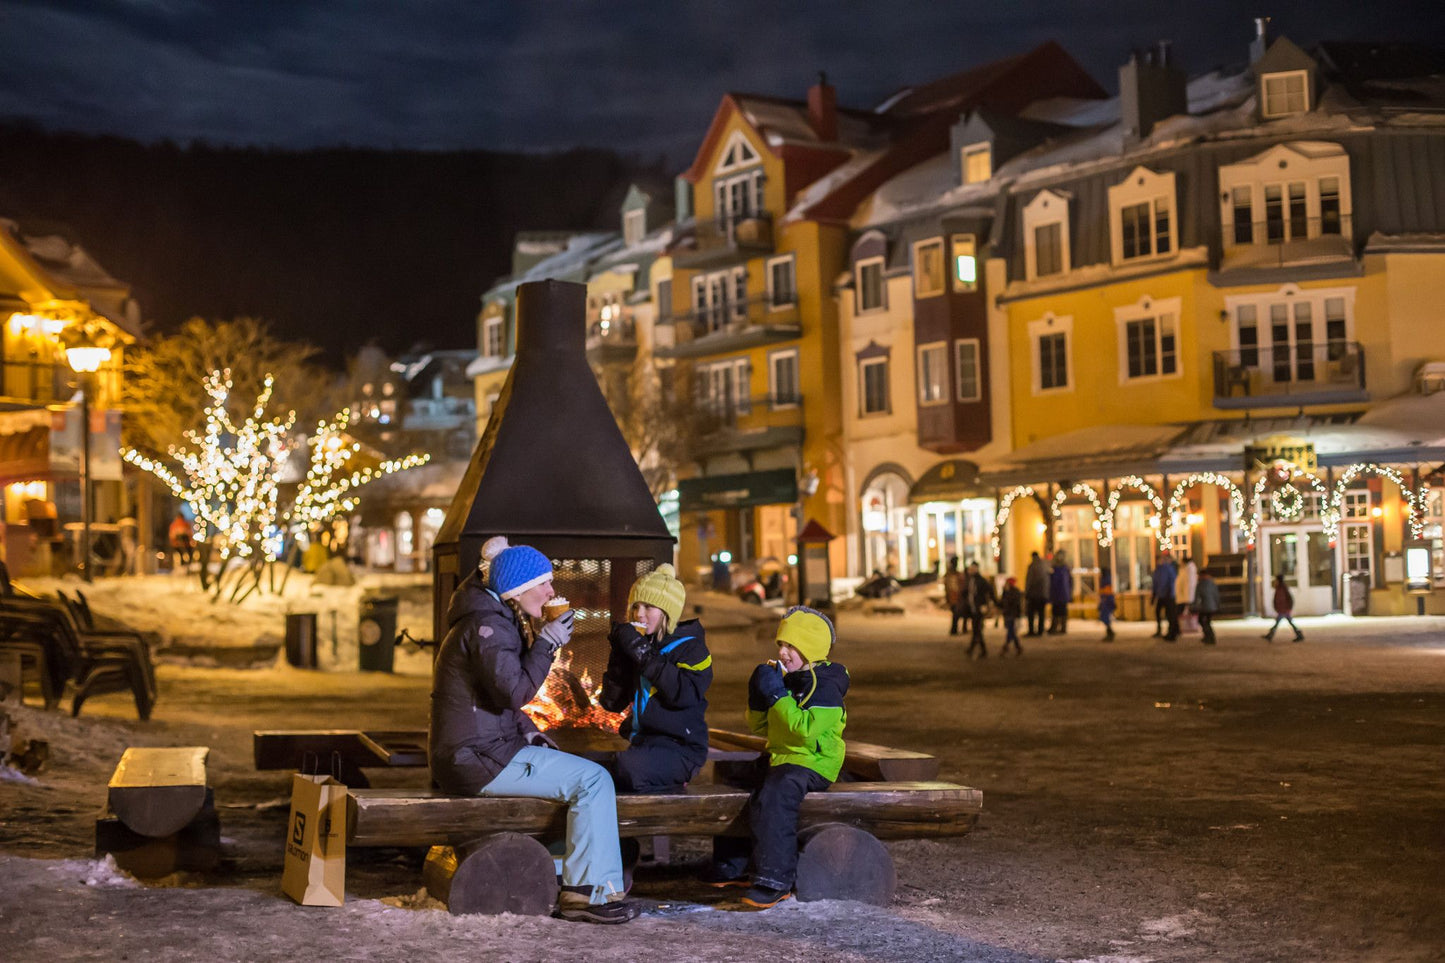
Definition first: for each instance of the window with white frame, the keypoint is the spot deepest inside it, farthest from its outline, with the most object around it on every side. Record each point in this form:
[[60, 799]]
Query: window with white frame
[[1285, 93], [965, 353], [634, 226], [493, 334], [723, 386], [873, 385], [1148, 340], [868, 281], [783, 378], [933, 373], [965, 262], [1291, 192], [782, 282], [737, 182], [1297, 335], [1356, 503], [1359, 548], [1141, 213], [928, 268], [977, 163], [720, 298], [1050, 339], [1046, 234]]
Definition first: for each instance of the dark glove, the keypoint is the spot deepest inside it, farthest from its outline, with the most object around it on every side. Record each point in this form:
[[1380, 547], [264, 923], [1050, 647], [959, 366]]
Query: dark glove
[[541, 740], [557, 632], [765, 687], [631, 643]]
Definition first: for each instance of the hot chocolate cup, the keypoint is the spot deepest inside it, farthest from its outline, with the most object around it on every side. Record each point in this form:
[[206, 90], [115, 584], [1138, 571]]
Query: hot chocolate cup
[[555, 608]]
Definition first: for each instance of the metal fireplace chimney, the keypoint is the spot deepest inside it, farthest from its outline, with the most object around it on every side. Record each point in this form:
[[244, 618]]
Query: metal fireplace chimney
[[553, 471]]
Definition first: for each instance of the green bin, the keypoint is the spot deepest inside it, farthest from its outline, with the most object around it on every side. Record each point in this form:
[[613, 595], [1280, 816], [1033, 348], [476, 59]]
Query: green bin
[[376, 633]]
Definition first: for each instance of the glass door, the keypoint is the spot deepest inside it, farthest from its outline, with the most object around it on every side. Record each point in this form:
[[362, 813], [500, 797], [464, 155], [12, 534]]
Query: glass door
[[1303, 556]]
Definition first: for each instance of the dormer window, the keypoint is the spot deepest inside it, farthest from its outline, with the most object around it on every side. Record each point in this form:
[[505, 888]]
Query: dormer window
[[1046, 235], [1285, 93], [634, 226], [1141, 214], [1292, 192], [739, 153], [738, 186], [977, 163]]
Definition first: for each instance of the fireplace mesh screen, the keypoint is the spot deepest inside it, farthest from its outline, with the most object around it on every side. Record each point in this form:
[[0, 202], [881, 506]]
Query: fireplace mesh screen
[[597, 589]]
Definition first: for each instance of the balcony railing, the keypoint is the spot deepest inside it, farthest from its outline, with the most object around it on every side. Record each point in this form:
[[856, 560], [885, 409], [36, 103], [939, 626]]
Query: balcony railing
[[1318, 372], [723, 238], [43, 382], [612, 340], [731, 325], [739, 424], [1275, 242]]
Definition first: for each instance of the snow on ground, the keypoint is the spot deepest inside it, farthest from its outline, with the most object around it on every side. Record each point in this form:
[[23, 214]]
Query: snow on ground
[[1143, 802]]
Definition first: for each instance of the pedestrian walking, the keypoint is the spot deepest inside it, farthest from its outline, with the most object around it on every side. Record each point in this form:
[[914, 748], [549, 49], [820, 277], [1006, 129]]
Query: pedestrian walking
[[1205, 604], [1107, 603], [1164, 583], [953, 597], [1184, 594], [1010, 604], [1061, 592], [979, 595], [1283, 610], [1036, 594]]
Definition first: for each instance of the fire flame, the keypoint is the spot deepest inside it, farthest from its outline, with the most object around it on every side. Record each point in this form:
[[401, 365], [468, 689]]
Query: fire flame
[[568, 699]]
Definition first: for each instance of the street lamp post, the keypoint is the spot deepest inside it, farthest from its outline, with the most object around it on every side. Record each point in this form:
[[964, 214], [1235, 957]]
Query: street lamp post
[[85, 360]]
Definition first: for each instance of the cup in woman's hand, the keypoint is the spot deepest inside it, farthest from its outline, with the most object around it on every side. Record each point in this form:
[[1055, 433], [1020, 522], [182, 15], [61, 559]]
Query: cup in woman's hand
[[555, 608]]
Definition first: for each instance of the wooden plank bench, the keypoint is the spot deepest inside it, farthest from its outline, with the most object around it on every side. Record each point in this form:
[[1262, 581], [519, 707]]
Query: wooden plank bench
[[160, 815], [484, 855], [358, 749]]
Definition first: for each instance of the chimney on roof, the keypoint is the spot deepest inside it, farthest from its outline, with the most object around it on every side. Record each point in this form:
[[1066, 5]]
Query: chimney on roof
[[1260, 43], [823, 109], [1151, 88]]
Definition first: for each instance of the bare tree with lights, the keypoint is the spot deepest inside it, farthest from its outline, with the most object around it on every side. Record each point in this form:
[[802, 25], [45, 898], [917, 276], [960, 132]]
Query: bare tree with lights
[[230, 476]]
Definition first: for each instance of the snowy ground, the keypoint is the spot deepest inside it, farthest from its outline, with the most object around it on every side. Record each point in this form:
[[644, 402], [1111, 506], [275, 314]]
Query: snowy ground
[[1142, 801]]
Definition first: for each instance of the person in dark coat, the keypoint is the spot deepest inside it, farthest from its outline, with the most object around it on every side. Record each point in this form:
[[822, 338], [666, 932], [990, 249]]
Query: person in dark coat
[[953, 597], [1061, 591], [491, 664], [1166, 608], [979, 595], [661, 668], [1010, 604], [1205, 604], [1036, 594], [1283, 610], [1107, 603]]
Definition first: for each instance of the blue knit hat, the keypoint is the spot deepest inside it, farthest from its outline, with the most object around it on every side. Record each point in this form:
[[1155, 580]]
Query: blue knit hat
[[517, 569]]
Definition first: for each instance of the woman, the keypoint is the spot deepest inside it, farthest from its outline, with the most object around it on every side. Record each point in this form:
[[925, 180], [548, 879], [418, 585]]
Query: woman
[[491, 664], [1283, 609]]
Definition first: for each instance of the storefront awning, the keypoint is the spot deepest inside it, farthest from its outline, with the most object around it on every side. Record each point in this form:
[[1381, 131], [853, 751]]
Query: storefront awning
[[949, 481], [777, 487], [1102, 451]]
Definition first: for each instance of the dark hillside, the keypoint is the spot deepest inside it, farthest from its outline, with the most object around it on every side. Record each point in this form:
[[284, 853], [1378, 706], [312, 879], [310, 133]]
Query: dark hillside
[[337, 247]]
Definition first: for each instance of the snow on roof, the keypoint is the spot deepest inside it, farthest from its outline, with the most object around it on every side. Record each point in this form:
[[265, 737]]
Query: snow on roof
[[831, 181], [783, 122], [581, 250]]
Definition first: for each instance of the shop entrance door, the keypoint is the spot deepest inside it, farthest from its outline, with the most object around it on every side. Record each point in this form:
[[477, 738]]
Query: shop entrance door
[[1302, 554]]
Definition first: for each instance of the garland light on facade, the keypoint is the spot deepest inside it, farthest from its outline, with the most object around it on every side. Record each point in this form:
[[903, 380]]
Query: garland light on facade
[[1106, 537], [1000, 519]]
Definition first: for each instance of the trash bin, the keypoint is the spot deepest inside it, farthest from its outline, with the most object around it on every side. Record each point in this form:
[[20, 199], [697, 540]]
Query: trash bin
[[376, 633], [301, 639]]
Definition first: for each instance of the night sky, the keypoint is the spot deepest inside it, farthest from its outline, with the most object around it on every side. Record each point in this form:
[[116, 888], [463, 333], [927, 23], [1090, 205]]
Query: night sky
[[641, 77]]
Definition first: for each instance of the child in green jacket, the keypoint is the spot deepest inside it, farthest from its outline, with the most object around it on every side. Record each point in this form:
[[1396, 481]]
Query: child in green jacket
[[797, 704]]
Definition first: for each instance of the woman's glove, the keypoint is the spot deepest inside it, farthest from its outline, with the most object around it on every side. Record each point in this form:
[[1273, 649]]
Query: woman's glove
[[631, 643], [557, 632]]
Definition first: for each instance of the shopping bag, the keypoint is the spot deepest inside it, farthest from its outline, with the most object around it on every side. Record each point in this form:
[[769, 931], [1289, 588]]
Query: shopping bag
[[314, 873]]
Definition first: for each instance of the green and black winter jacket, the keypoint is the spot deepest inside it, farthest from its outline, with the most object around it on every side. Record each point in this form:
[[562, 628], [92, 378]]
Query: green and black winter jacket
[[803, 718]]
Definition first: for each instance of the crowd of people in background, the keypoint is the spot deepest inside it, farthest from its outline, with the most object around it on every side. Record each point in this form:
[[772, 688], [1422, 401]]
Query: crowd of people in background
[[1184, 599]]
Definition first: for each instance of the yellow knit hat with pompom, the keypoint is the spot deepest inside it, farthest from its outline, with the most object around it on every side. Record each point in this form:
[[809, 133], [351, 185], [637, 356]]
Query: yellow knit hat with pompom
[[660, 589]]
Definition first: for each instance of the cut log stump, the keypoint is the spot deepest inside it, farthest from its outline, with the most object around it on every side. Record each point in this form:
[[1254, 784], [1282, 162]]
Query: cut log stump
[[838, 861], [500, 873], [195, 848], [158, 791]]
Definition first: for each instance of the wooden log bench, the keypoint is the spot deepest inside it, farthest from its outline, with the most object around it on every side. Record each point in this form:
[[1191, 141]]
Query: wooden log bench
[[160, 815], [485, 857], [406, 748]]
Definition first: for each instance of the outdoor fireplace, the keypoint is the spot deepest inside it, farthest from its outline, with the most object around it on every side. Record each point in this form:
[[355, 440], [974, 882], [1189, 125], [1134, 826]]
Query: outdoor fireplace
[[552, 471]]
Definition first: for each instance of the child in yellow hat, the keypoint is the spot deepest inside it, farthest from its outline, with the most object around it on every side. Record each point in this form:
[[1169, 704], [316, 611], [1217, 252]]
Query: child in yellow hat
[[795, 702], [661, 668]]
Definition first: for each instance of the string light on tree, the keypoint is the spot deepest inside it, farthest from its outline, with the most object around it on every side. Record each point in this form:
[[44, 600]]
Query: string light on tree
[[328, 490]]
